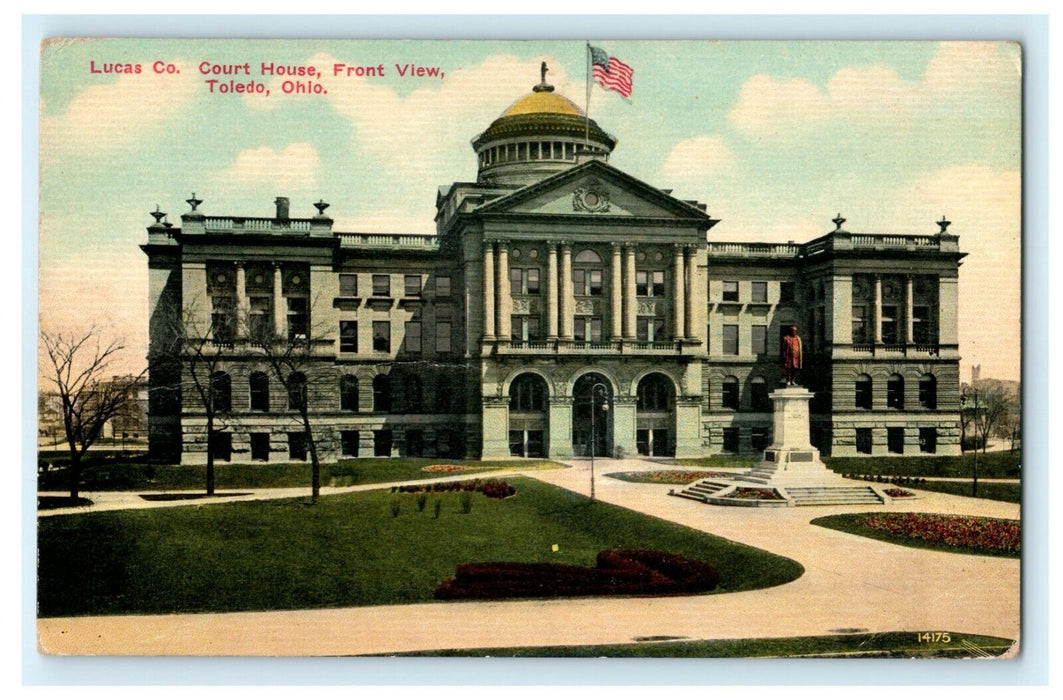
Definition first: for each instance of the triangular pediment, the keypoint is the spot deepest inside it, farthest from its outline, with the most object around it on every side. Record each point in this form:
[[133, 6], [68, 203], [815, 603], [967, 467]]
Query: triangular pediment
[[594, 189]]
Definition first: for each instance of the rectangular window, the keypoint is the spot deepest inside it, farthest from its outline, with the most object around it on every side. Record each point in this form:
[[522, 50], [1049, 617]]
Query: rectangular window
[[889, 325], [588, 329], [596, 329], [222, 320], [261, 324], [413, 336], [442, 336], [349, 440], [579, 282], [786, 292], [730, 440], [381, 285], [260, 447], [595, 283], [414, 442], [298, 318], [928, 440], [759, 292], [863, 441], [659, 333], [381, 443], [221, 445], [442, 287], [860, 323], [516, 325], [348, 336], [657, 289], [758, 438], [412, 285], [579, 329], [382, 336], [642, 330], [895, 440], [642, 283], [730, 291], [759, 337], [730, 339], [921, 325], [531, 279], [348, 285], [516, 280], [297, 446], [863, 394]]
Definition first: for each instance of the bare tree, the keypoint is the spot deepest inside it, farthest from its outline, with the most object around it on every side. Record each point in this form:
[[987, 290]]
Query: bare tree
[[996, 403], [88, 395]]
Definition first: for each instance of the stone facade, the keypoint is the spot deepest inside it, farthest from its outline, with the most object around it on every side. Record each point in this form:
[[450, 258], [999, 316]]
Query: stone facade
[[557, 292]]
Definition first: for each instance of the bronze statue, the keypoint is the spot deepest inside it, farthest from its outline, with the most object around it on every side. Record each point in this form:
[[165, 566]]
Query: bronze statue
[[791, 356]]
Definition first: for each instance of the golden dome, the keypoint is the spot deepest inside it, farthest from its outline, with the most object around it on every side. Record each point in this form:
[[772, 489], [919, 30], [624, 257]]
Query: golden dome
[[542, 102]]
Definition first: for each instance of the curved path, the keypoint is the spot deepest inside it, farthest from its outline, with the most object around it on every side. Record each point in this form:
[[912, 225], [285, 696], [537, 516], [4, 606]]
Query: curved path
[[850, 583]]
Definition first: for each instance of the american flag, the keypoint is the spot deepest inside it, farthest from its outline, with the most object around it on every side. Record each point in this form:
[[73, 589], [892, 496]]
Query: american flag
[[610, 72]]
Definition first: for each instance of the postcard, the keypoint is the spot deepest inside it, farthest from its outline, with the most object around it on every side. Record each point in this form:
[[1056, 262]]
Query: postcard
[[530, 348]]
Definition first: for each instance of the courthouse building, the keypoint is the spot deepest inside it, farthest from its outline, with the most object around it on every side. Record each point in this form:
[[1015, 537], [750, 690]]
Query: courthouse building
[[557, 293]]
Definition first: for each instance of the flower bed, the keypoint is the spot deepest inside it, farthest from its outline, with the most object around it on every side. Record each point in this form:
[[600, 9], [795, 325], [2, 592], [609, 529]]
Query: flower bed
[[444, 468], [756, 494], [669, 476], [617, 572], [898, 493], [492, 488], [895, 480], [955, 530]]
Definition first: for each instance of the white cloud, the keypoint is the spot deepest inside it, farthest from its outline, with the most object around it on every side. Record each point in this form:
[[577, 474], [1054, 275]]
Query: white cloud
[[294, 168], [696, 160], [767, 104], [965, 65]]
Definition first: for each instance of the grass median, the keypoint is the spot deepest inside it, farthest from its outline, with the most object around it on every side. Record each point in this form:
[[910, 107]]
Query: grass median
[[348, 550]]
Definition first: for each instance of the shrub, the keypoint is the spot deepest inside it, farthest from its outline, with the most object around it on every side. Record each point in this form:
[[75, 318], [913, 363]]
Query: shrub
[[395, 508], [437, 506], [422, 498], [466, 502]]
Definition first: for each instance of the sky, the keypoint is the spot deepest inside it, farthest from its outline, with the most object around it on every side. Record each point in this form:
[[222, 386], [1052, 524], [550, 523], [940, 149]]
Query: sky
[[775, 137]]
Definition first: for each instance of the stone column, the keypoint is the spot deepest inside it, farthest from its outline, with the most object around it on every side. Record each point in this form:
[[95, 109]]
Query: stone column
[[629, 293], [241, 301], [616, 306], [551, 290], [568, 302], [679, 299], [489, 291], [690, 268], [878, 309], [909, 311], [279, 310], [504, 301]]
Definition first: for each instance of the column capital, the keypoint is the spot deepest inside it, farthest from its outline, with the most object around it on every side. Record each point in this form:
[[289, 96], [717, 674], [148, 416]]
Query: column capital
[[276, 265], [503, 246], [239, 264], [565, 245], [616, 245]]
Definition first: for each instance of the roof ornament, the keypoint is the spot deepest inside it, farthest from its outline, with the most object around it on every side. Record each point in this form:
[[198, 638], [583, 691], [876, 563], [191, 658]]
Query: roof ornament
[[194, 202], [321, 206], [543, 86], [944, 224], [838, 221], [158, 214], [166, 222]]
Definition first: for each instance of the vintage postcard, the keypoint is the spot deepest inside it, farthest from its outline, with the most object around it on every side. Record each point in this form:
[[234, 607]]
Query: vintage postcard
[[529, 348]]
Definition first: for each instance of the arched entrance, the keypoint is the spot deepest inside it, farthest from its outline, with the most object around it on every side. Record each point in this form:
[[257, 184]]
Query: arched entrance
[[655, 416], [527, 416], [592, 416]]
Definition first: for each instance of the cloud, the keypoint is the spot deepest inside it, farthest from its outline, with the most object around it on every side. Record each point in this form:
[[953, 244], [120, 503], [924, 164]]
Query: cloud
[[766, 104], [294, 168], [962, 66], [697, 159]]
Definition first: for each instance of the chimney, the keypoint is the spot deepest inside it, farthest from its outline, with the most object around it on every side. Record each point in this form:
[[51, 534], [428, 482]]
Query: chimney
[[282, 208]]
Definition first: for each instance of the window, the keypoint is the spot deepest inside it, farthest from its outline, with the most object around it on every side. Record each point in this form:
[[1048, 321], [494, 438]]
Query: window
[[758, 438], [651, 330], [348, 285], [222, 320], [588, 329], [442, 287], [895, 392], [413, 393], [730, 291], [516, 280], [730, 440], [922, 325], [759, 339], [381, 336], [863, 441], [411, 286], [259, 385], [221, 396], [860, 324], [221, 446], [527, 393], [730, 393], [649, 283], [657, 289], [298, 318], [381, 285], [260, 447], [655, 393], [587, 282], [928, 440], [786, 292], [381, 443], [730, 340], [296, 390], [895, 440], [413, 336], [442, 336], [531, 280], [414, 442], [863, 392], [297, 446], [928, 391], [348, 336], [642, 283], [381, 393], [889, 325], [524, 328], [759, 292], [260, 322], [761, 402], [348, 393], [444, 440], [349, 440]]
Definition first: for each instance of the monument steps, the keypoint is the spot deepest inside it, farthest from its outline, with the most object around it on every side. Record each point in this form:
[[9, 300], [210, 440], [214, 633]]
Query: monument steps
[[700, 490], [833, 495]]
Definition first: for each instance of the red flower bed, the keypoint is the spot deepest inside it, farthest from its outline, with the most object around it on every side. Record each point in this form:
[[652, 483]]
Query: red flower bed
[[618, 572], [670, 476], [955, 530], [492, 488], [755, 494], [898, 493], [444, 468]]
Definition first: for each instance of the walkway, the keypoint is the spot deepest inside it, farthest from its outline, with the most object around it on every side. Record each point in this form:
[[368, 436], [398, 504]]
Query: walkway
[[851, 583]]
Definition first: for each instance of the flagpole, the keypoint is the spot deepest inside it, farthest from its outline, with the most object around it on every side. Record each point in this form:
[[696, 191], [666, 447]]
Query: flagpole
[[587, 111]]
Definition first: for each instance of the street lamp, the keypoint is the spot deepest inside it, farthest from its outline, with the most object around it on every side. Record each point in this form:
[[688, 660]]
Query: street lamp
[[594, 433], [971, 394]]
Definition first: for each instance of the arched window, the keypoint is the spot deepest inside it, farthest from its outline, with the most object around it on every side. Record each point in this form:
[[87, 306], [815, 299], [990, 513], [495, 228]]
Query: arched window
[[221, 396], [348, 393], [413, 391], [895, 392], [381, 393], [259, 384], [527, 393], [863, 392], [730, 393], [928, 391], [296, 390], [759, 388], [655, 393]]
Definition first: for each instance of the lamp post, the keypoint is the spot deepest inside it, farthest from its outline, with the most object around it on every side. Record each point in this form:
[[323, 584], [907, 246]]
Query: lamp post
[[594, 433], [971, 394]]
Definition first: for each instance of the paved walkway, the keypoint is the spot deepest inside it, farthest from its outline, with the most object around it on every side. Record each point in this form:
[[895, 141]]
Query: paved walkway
[[850, 583]]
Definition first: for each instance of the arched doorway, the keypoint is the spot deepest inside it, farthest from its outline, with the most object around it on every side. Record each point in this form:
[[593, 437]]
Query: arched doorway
[[527, 416], [655, 416], [592, 416]]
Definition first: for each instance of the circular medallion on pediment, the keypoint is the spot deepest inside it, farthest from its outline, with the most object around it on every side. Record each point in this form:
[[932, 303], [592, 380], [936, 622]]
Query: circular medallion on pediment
[[296, 279], [516, 253], [533, 254], [221, 278], [642, 256], [259, 279], [891, 290], [860, 289], [658, 256], [591, 198]]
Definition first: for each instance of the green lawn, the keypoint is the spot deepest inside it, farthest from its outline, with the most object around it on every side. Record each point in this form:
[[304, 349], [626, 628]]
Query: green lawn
[[904, 645], [348, 550], [853, 523], [994, 492], [995, 465], [138, 476], [719, 461]]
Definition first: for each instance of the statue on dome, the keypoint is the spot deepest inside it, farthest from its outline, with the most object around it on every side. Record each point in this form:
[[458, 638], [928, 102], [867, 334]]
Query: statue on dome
[[791, 356]]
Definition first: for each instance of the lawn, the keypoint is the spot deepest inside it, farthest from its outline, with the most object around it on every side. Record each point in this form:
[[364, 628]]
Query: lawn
[[992, 491], [119, 475], [903, 645], [668, 476], [855, 524], [347, 550], [991, 465]]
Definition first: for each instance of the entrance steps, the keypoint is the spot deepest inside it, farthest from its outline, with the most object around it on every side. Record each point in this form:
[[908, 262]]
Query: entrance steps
[[701, 490], [833, 495]]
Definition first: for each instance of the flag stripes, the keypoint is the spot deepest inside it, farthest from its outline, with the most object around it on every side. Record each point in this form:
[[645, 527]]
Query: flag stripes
[[611, 73]]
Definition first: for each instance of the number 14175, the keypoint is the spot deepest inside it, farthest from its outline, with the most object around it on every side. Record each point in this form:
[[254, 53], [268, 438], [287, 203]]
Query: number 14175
[[933, 637]]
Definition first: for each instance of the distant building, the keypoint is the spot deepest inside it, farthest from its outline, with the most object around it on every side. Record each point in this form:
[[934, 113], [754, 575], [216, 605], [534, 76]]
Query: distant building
[[554, 277]]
